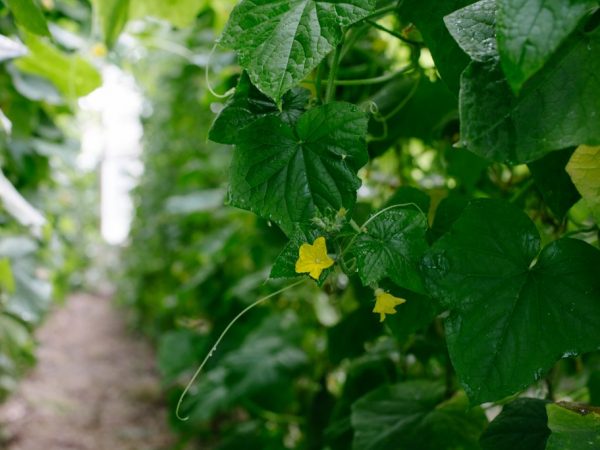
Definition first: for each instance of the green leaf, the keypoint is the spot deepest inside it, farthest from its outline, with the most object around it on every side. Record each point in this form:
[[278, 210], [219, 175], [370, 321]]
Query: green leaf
[[409, 194], [502, 127], [447, 212], [428, 16], [584, 169], [554, 183], [414, 416], [72, 75], [392, 246], [248, 104], [181, 13], [29, 15], [290, 174], [520, 426], [593, 386], [7, 281], [529, 32], [279, 42], [573, 430], [414, 315], [512, 315], [473, 28], [112, 16]]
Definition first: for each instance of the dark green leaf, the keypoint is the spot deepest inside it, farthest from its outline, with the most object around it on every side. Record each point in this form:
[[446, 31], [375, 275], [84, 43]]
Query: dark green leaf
[[573, 430], [449, 59], [593, 386], [29, 15], [529, 32], [554, 182], [520, 426], [473, 28], [499, 126], [449, 209], [414, 315], [112, 16], [289, 175], [289, 37], [511, 319], [414, 416], [465, 166], [392, 246], [248, 104]]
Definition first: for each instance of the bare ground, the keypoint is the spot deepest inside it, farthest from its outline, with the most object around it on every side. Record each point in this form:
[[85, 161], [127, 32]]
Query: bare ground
[[94, 388]]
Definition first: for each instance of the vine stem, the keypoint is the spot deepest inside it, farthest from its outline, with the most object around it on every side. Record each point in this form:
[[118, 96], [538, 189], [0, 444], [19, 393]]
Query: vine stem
[[380, 27], [219, 339], [332, 73]]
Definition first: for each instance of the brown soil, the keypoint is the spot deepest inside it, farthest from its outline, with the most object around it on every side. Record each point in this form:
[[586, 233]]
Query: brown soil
[[94, 388]]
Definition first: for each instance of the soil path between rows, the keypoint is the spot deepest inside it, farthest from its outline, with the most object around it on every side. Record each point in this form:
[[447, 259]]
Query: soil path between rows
[[95, 386]]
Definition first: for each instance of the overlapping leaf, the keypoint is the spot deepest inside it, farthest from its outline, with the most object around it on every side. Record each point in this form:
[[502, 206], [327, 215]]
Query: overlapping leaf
[[248, 105], [573, 429], [279, 42], [392, 246], [584, 169], [289, 174], [529, 32], [413, 415], [29, 15], [514, 313]]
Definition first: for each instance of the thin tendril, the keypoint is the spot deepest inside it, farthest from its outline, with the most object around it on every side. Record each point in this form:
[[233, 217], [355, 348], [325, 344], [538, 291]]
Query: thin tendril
[[221, 336], [207, 80]]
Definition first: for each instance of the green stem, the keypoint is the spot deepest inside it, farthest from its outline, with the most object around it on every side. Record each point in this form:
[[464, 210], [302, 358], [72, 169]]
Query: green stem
[[219, 339], [374, 80], [523, 189], [581, 231], [382, 12], [393, 33], [330, 93]]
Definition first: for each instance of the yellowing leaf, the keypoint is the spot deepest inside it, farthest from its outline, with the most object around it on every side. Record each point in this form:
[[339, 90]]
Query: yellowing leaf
[[386, 304], [584, 169], [313, 259]]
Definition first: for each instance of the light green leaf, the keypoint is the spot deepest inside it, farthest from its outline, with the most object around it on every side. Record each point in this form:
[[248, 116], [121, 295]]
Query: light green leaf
[[584, 169], [474, 29], [72, 75], [514, 313], [29, 15], [248, 105], [289, 174], [392, 246], [280, 41], [111, 16], [529, 32], [500, 126], [181, 13], [520, 426], [7, 281], [573, 429], [414, 416]]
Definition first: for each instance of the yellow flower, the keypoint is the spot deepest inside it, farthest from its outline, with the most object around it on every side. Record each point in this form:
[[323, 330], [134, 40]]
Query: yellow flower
[[386, 304], [313, 258]]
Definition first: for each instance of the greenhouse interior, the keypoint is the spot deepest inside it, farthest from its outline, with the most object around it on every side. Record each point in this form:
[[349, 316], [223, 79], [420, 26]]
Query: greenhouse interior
[[299, 224]]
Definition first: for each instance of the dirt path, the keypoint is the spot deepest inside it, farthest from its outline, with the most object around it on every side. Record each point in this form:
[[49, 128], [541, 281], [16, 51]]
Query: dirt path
[[94, 388]]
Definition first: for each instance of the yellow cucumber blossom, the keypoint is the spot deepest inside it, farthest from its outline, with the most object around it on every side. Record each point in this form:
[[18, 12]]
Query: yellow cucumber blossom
[[313, 259], [386, 304]]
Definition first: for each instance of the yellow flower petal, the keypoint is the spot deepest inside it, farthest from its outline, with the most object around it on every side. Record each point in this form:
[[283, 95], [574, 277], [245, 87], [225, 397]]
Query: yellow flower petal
[[313, 259], [386, 304]]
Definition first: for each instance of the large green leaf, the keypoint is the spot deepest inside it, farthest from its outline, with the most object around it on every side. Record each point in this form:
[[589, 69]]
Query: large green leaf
[[111, 16], [514, 312], [72, 75], [248, 105], [573, 429], [29, 15], [584, 169], [500, 126], [473, 28], [415, 416], [289, 174], [428, 16], [392, 246], [520, 426], [280, 41], [529, 32]]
